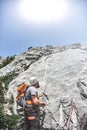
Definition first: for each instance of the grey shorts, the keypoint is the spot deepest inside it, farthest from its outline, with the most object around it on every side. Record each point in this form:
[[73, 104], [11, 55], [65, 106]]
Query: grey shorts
[[31, 124]]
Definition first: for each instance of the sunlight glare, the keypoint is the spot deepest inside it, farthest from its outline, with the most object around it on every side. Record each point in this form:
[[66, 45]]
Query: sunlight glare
[[41, 11]]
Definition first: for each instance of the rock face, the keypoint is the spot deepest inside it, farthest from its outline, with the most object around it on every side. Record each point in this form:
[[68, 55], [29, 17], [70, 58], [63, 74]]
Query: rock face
[[62, 72], [24, 60]]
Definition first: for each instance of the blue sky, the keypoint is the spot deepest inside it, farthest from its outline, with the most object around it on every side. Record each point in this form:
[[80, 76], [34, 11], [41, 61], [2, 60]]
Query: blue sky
[[41, 23]]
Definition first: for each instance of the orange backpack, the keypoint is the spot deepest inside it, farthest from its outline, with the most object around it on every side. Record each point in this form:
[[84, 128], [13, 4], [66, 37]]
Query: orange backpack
[[20, 98]]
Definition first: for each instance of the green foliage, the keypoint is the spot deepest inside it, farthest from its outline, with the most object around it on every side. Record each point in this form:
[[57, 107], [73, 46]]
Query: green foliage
[[6, 121], [11, 121], [1, 93], [8, 78], [8, 60], [11, 101], [26, 67]]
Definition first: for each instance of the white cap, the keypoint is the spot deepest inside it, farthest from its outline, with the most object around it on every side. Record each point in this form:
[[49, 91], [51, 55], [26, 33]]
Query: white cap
[[33, 80]]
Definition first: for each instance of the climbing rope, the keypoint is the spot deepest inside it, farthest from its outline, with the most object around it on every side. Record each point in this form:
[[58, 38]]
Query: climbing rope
[[71, 117], [71, 105], [70, 113], [44, 80], [45, 74]]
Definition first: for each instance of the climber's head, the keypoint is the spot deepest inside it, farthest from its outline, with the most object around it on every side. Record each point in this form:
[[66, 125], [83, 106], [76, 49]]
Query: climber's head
[[34, 82]]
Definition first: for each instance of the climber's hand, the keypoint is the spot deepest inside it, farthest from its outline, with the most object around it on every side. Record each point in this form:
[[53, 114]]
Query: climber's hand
[[40, 95]]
